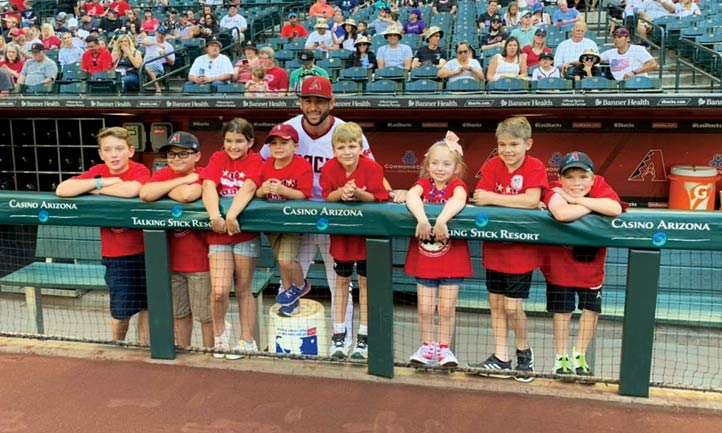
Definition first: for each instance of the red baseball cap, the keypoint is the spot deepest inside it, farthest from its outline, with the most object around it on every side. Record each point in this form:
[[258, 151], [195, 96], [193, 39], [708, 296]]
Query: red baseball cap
[[316, 86], [284, 131], [17, 32]]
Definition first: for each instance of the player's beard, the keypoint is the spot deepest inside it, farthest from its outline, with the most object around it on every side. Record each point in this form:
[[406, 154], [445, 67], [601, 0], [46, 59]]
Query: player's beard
[[322, 118]]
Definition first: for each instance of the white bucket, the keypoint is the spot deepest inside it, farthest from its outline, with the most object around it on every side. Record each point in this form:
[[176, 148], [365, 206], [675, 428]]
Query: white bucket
[[304, 333]]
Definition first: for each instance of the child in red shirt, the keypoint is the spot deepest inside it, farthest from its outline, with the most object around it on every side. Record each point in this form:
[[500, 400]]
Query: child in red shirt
[[510, 179], [438, 262], [191, 281], [234, 172], [576, 270], [286, 176], [122, 249], [350, 177]]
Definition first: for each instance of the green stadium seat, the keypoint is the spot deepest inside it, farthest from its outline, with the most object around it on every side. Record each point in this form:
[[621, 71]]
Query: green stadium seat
[[193, 88]]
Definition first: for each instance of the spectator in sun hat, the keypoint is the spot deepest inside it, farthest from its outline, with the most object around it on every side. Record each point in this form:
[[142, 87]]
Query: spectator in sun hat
[[395, 53], [293, 29], [626, 59], [213, 67], [587, 66], [348, 41], [308, 69], [39, 68], [363, 56], [414, 24], [430, 53], [321, 38]]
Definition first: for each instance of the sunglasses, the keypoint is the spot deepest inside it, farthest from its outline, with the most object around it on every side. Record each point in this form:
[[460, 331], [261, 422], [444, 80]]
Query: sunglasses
[[588, 59], [180, 155], [462, 52]]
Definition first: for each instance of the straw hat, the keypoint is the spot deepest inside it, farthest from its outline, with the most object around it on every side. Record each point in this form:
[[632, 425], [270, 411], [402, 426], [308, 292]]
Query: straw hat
[[362, 40], [394, 30], [431, 31], [321, 23], [350, 22], [590, 52]]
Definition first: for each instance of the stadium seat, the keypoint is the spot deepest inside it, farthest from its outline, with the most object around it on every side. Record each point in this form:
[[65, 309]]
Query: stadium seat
[[106, 82], [344, 55], [423, 86], [332, 66], [72, 73], [383, 87], [233, 88], [193, 88], [640, 84], [552, 85], [296, 45], [394, 73], [425, 71], [346, 88], [597, 84], [73, 88], [508, 85], [356, 73], [465, 86], [37, 89]]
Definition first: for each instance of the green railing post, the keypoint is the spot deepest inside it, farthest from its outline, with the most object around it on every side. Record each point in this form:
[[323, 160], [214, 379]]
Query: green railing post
[[638, 327], [380, 307], [160, 296]]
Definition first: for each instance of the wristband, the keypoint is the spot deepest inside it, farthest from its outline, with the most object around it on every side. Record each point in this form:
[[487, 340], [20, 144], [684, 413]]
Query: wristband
[[98, 182], [215, 217]]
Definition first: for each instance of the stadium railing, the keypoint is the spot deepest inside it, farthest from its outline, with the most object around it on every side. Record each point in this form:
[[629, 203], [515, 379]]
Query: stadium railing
[[649, 238]]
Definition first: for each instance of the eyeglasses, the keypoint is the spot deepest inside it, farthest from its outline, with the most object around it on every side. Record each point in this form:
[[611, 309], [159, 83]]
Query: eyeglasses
[[462, 52], [180, 155]]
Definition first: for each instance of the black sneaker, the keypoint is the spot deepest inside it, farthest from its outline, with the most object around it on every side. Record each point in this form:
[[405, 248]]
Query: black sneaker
[[524, 364], [494, 363], [338, 346]]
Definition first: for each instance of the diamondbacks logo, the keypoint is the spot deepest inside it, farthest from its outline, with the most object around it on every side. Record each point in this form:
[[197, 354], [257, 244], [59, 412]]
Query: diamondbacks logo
[[174, 139], [650, 168], [315, 86]]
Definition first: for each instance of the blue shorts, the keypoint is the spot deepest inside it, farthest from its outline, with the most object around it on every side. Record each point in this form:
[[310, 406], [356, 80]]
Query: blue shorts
[[435, 283], [125, 277], [250, 248]]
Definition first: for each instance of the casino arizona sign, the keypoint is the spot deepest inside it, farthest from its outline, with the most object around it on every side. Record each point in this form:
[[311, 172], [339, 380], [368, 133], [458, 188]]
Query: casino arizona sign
[[661, 225]]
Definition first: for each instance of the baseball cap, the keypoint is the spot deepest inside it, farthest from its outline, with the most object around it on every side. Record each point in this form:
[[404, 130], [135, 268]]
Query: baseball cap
[[306, 56], [250, 46], [284, 131], [17, 32], [162, 29], [537, 7], [541, 31], [576, 160], [214, 41], [621, 31], [526, 13], [292, 15], [415, 11], [546, 55], [316, 86], [37, 47], [182, 139], [495, 17]]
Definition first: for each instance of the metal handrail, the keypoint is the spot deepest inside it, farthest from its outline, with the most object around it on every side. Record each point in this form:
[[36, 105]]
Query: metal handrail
[[662, 45], [716, 64]]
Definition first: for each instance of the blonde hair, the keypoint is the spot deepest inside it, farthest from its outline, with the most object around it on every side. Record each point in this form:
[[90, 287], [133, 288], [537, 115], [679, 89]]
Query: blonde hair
[[258, 72], [117, 52], [516, 127], [346, 133], [47, 27], [114, 131], [458, 158], [18, 52]]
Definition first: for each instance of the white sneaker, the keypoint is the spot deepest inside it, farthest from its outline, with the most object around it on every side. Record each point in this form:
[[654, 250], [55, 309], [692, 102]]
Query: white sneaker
[[221, 345], [339, 348], [361, 351], [424, 355], [447, 358], [242, 348]]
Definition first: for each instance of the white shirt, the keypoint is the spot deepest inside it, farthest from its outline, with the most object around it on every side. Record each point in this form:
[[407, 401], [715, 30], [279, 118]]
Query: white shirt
[[234, 22], [682, 11], [538, 73], [315, 150], [453, 66], [153, 52], [569, 51], [621, 64], [203, 65], [314, 40], [654, 9]]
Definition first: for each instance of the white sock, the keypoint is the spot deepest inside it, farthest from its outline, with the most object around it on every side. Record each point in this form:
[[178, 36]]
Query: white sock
[[363, 329], [339, 328]]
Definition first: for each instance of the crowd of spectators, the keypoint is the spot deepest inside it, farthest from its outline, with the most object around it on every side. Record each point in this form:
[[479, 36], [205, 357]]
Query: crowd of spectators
[[141, 44]]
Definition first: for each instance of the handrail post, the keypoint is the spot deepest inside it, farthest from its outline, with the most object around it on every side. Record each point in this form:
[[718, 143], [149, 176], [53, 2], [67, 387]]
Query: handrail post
[[638, 326], [160, 297], [380, 308]]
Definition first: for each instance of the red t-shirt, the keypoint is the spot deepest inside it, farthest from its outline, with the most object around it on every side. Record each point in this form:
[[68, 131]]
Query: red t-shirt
[[277, 79], [289, 31], [511, 258], [51, 42], [120, 241], [434, 260], [229, 175], [532, 59], [120, 7], [367, 174], [297, 175], [188, 248], [16, 67], [559, 265], [102, 62], [94, 9]]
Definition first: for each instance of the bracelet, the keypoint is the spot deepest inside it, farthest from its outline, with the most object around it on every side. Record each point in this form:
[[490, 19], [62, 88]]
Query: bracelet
[[98, 182], [215, 216]]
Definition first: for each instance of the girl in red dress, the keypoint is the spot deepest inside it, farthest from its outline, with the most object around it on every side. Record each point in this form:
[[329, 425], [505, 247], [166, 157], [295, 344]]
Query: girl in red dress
[[438, 262]]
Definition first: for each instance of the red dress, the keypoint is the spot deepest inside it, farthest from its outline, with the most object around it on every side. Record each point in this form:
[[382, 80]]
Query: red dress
[[506, 257], [229, 176], [434, 260], [120, 241], [559, 264], [368, 174]]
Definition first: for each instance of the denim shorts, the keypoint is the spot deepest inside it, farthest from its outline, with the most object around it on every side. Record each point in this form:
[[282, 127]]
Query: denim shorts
[[250, 248], [435, 283]]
